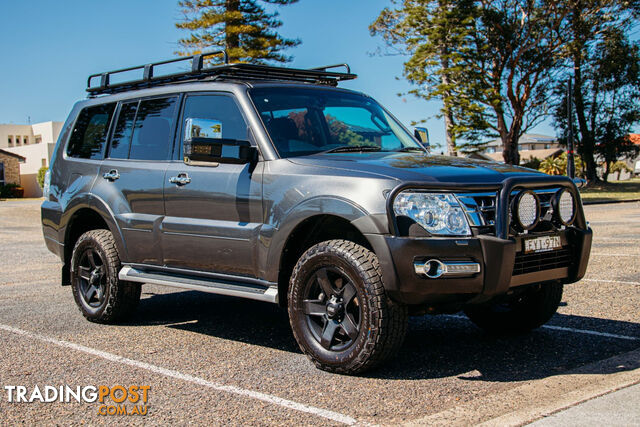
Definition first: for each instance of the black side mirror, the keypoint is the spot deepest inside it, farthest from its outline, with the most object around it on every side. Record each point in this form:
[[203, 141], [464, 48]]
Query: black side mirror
[[422, 135], [204, 145]]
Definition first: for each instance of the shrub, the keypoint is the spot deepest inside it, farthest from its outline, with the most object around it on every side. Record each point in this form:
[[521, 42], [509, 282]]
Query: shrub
[[10, 191], [43, 170]]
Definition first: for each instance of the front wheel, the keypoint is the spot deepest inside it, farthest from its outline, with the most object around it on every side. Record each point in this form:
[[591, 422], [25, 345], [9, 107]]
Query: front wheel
[[526, 311], [338, 309], [98, 292]]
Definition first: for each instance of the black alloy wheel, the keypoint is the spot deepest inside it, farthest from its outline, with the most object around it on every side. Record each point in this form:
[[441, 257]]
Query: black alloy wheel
[[92, 278], [332, 309]]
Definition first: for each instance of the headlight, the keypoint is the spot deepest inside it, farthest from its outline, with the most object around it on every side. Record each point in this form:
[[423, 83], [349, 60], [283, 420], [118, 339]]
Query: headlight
[[438, 213], [564, 206]]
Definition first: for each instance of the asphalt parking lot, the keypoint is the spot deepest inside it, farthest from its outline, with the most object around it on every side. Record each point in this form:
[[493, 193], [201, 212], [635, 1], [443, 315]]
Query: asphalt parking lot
[[219, 360]]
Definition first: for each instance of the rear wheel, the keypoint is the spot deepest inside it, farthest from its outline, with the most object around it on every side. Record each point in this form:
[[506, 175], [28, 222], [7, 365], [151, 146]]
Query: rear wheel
[[339, 312], [98, 292], [521, 313]]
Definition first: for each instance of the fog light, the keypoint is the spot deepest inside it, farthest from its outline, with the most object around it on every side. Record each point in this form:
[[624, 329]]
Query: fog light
[[435, 268], [564, 206], [526, 209]]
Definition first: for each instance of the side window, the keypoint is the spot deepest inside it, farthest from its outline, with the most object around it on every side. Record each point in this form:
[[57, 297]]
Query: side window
[[90, 132], [121, 138], [1, 173], [152, 131], [220, 108]]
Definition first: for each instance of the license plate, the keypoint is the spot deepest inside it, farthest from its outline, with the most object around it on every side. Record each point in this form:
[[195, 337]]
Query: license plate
[[542, 244]]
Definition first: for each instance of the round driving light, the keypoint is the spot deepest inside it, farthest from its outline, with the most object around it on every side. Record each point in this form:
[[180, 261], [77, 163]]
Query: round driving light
[[527, 208], [564, 206]]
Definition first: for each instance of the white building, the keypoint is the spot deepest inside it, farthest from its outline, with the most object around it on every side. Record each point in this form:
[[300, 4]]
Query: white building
[[528, 141], [35, 143]]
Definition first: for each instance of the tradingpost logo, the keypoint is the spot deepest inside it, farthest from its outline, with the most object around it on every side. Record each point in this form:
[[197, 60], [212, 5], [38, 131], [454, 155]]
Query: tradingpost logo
[[112, 400]]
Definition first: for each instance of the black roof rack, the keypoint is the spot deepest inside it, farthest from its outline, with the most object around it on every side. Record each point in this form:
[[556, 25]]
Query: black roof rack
[[199, 71]]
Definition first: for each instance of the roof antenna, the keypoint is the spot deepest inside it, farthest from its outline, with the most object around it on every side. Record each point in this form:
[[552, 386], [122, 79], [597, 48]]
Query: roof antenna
[[28, 119]]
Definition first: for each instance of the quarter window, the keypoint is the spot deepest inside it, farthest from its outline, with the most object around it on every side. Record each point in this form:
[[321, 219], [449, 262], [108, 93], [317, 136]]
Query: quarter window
[[90, 132]]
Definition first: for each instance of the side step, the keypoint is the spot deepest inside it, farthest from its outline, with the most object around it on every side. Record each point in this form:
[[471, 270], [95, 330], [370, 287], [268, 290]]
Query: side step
[[197, 283]]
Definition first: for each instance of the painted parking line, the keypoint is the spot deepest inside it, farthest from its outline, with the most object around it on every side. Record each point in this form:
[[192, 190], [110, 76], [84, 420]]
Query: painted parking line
[[620, 282], [618, 239], [588, 332], [611, 254], [564, 329], [268, 398]]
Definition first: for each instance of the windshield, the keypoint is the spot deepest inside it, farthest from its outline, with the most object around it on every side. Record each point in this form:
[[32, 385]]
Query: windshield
[[304, 121]]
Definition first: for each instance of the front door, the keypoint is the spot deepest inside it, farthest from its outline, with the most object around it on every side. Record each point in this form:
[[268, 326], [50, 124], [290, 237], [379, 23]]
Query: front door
[[131, 176], [213, 212]]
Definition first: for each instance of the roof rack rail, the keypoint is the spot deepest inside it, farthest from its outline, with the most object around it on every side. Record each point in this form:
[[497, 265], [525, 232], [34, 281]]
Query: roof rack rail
[[199, 71]]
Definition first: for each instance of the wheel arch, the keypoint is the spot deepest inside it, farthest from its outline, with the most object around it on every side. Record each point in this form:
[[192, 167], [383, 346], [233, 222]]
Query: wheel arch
[[327, 220], [91, 214]]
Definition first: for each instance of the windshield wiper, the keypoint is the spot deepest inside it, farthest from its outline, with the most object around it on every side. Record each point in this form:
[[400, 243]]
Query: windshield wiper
[[405, 149], [352, 148]]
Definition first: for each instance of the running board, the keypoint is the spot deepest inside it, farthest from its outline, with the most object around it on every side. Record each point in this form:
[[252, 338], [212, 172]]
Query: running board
[[196, 283]]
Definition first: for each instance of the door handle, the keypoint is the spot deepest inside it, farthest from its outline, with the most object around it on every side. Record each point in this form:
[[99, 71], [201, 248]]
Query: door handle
[[181, 179], [112, 175]]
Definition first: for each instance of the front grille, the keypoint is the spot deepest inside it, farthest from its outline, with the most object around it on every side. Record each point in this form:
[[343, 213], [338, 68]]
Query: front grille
[[531, 263]]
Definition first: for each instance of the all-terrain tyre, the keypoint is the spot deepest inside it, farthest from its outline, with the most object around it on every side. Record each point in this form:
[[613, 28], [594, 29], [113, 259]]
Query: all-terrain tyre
[[339, 312], [522, 313], [99, 294]]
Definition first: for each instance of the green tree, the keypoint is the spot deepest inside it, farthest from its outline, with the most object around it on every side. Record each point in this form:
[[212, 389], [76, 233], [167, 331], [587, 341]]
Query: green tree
[[436, 36], [502, 56], [604, 66], [243, 27]]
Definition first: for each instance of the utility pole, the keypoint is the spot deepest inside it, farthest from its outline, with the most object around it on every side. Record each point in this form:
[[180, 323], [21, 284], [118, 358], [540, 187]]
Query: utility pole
[[571, 167]]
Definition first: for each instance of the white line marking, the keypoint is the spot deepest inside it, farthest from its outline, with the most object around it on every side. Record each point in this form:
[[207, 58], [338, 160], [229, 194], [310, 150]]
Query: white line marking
[[605, 254], [334, 416], [622, 282], [561, 328], [585, 331]]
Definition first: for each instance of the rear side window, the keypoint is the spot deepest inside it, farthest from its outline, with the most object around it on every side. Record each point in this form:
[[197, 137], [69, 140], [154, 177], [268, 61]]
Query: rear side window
[[152, 132], [89, 134], [144, 129], [121, 139]]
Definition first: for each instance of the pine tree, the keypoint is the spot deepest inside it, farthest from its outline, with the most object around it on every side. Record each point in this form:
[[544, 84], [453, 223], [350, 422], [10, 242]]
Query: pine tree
[[243, 27], [436, 35]]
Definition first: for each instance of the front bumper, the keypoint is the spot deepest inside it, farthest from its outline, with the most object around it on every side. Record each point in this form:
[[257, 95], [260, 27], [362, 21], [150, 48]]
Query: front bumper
[[497, 258], [503, 263]]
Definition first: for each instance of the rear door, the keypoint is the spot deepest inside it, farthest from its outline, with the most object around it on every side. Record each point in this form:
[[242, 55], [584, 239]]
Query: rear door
[[132, 174], [213, 214]]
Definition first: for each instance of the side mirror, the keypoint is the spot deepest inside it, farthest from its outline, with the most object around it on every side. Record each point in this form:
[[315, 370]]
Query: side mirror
[[205, 146], [422, 135]]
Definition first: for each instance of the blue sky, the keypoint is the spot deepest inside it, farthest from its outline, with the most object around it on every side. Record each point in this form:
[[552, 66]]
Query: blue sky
[[49, 49]]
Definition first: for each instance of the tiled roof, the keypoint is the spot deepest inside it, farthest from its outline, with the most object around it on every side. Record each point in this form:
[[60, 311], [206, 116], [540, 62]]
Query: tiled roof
[[635, 138]]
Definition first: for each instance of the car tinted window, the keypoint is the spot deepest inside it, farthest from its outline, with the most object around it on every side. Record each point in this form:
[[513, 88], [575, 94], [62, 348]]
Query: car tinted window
[[90, 132], [220, 108], [304, 121], [121, 138], [152, 131]]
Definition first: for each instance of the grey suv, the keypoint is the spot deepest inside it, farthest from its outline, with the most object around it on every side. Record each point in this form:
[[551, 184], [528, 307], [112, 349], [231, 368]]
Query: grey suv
[[273, 184]]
